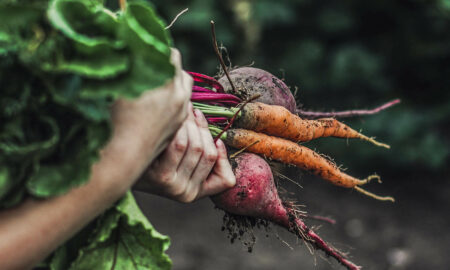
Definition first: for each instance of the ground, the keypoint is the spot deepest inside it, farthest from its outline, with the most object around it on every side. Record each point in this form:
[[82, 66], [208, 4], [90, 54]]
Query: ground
[[409, 234]]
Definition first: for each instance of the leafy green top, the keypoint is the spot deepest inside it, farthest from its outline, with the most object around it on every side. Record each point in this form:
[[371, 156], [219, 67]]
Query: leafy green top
[[62, 63]]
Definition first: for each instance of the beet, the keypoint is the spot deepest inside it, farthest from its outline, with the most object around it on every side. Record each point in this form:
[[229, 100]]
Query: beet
[[250, 81], [255, 195]]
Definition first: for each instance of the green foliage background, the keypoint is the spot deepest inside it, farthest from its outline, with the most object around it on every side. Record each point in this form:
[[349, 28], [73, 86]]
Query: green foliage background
[[342, 55]]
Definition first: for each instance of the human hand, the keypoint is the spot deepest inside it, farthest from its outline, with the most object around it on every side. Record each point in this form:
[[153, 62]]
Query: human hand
[[191, 167], [144, 126]]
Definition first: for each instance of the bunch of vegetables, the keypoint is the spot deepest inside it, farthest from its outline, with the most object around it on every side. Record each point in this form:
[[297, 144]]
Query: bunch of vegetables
[[272, 129], [62, 64], [254, 112]]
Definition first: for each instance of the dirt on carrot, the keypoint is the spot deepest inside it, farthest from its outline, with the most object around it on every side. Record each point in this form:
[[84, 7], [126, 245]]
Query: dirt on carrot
[[278, 121]]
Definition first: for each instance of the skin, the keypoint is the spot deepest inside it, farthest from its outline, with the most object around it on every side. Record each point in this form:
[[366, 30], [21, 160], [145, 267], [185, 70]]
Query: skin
[[144, 147]]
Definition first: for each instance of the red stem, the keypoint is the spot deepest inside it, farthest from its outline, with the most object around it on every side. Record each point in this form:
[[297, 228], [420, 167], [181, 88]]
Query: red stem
[[321, 218], [217, 120], [196, 88], [198, 77], [315, 239], [349, 113], [215, 96]]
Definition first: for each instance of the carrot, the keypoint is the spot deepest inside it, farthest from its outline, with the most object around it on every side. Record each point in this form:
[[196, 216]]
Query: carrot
[[278, 121], [291, 153]]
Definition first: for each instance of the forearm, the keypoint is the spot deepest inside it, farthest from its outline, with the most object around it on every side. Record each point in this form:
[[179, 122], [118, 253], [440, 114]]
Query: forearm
[[31, 231]]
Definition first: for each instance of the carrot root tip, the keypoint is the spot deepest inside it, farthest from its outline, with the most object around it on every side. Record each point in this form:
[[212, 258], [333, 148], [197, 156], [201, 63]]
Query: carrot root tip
[[374, 196], [373, 141], [370, 178]]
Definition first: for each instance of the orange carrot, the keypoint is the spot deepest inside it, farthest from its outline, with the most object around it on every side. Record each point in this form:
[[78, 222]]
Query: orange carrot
[[291, 153], [278, 121]]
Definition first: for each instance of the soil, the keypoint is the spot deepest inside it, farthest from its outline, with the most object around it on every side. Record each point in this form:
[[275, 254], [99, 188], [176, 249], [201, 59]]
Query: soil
[[409, 234]]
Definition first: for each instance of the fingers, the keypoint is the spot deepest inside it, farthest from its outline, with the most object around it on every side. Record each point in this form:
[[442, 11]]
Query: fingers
[[194, 150], [182, 84], [222, 176], [191, 157], [209, 155], [170, 159], [175, 59]]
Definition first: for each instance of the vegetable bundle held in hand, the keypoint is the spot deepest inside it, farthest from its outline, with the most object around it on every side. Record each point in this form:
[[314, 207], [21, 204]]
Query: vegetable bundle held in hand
[[277, 133]]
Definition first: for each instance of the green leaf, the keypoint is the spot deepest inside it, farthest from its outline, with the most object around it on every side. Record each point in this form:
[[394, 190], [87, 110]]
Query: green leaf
[[17, 26], [99, 66], [6, 181], [43, 136], [86, 22], [123, 239], [13, 198], [142, 21], [12, 178], [73, 166], [148, 43]]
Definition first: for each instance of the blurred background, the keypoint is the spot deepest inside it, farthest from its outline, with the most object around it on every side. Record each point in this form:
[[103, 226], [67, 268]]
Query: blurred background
[[335, 55]]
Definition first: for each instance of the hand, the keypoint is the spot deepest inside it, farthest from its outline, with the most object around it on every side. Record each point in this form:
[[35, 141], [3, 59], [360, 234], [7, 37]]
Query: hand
[[192, 166], [143, 127]]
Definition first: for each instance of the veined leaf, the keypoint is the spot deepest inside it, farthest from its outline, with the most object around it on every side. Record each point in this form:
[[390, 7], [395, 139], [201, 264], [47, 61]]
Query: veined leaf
[[85, 22], [73, 166], [149, 48], [15, 145], [143, 22], [124, 240], [100, 65]]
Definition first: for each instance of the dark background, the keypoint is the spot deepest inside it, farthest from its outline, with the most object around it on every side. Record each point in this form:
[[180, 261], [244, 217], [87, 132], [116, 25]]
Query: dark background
[[340, 55]]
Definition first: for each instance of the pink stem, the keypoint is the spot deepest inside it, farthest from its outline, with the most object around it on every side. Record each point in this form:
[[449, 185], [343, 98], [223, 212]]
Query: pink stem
[[225, 99], [208, 80], [349, 113], [217, 120], [216, 101], [215, 95], [196, 88], [313, 238], [321, 218]]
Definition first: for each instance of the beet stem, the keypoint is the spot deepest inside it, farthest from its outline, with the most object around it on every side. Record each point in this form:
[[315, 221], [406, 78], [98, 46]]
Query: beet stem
[[196, 88], [349, 113], [198, 77], [310, 236]]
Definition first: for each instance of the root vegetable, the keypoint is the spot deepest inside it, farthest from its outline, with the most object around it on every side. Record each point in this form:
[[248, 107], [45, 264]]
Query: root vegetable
[[278, 121], [250, 81], [255, 195], [290, 153]]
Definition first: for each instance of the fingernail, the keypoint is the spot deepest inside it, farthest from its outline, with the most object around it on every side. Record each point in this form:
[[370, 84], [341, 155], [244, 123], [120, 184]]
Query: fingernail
[[219, 143], [197, 113]]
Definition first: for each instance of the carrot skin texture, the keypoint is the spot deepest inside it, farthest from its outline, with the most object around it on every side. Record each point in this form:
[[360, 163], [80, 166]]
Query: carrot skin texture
[[291, 153], [278, 121]]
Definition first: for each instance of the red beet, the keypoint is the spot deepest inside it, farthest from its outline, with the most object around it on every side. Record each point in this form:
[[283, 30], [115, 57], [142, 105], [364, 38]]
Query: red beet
[[255, 195], [250, 81]]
